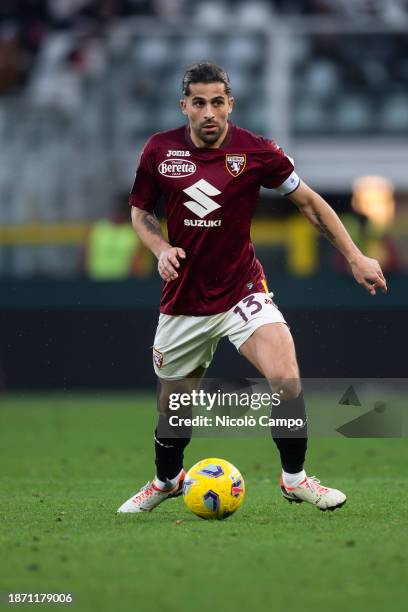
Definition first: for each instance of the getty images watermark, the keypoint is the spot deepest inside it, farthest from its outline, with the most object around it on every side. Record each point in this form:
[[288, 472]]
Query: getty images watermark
[[220, 400], [247, 407]]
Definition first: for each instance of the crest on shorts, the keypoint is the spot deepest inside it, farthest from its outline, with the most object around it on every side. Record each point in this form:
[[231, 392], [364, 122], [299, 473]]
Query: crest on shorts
[[235, 163], [157, 358]]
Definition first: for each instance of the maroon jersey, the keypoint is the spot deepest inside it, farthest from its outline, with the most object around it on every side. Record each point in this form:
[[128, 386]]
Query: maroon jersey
[[210, 198]]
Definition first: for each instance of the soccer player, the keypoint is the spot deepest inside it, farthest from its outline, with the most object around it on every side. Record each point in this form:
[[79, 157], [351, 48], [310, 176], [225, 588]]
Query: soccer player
[[209, 173]]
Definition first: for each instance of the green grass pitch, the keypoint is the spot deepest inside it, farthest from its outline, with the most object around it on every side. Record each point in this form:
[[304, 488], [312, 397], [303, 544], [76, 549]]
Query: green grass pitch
[[68, 461]]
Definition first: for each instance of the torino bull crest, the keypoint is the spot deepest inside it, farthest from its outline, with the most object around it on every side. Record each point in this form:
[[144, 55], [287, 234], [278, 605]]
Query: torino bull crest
[[213, 489], [235, 163]]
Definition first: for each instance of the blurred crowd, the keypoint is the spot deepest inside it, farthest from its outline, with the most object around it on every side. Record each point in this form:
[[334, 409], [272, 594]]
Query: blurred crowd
[[25, 23]]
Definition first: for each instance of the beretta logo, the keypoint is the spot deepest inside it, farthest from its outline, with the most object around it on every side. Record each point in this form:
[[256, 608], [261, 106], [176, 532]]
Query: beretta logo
[[177, 168], [235, 163]]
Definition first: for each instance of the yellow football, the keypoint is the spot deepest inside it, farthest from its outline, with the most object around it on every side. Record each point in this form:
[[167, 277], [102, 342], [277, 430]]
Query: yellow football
[[213, 489]]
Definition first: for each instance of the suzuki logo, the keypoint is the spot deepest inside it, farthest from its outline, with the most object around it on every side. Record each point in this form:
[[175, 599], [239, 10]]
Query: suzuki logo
[[202, 204]]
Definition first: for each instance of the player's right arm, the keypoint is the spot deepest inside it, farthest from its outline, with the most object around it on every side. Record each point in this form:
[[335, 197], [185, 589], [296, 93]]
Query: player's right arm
[[143, 197], [149, 231]]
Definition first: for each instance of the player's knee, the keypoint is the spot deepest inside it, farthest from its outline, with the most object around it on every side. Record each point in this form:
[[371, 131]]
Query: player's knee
[[172, 397], [168, 406], [288, 388]]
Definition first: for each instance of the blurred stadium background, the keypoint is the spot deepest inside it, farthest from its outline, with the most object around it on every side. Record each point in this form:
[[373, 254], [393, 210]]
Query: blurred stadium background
[[84, 83]]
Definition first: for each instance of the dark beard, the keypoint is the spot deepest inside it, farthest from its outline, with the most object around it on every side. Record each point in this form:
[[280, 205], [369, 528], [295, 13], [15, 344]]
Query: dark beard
[[209, 138]]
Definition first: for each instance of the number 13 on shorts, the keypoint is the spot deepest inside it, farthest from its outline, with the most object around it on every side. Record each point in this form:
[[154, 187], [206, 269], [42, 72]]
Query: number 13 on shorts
[[251, 312], [251, 305]]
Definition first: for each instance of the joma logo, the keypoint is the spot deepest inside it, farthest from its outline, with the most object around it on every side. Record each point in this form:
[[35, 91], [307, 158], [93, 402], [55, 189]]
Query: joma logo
[[172, 153]]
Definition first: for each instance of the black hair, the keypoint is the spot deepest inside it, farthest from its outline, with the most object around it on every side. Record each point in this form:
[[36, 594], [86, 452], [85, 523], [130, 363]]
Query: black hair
[[205, 72]]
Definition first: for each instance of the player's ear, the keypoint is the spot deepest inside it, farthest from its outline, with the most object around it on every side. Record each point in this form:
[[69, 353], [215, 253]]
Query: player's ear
[[231, 104], [183, 106]]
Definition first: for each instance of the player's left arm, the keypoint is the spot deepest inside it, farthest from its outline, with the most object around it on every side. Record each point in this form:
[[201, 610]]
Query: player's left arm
[[366, 271]]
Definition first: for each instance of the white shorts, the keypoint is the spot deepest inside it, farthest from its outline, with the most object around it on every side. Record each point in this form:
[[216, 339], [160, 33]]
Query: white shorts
[[183, 343]]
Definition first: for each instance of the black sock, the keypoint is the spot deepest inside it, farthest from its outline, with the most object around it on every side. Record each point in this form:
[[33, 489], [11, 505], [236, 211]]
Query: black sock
[[291, 443], [169, 451]]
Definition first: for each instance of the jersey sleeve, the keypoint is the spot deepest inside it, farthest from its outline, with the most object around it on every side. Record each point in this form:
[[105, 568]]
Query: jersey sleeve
[[279, 170], [145, 191]]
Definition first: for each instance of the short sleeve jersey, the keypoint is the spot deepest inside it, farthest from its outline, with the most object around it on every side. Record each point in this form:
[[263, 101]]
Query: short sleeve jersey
[[210, 197]]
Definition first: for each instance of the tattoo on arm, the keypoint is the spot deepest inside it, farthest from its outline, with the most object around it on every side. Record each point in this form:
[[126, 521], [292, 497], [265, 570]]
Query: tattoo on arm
[[322, 227], [152, 224]]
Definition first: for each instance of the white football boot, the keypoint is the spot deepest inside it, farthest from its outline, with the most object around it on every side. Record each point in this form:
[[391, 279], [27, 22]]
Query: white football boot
[[150, 496], [310, 490]]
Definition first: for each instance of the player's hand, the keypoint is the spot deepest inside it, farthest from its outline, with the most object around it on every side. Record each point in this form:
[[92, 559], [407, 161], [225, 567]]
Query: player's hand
[[168, 262], [368, 273]]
